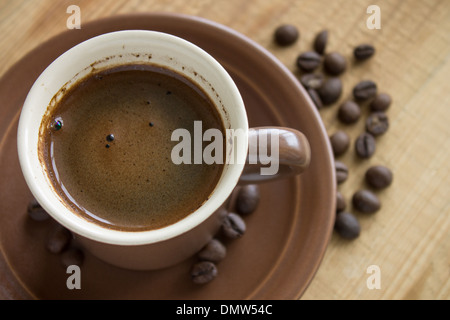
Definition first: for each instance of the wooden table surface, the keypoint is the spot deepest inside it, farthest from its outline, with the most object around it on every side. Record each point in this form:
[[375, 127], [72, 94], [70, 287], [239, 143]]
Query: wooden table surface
[[409, 238]]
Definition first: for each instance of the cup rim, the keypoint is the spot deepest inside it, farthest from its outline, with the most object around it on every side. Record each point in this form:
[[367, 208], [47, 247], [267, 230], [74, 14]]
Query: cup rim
[[34, 173]]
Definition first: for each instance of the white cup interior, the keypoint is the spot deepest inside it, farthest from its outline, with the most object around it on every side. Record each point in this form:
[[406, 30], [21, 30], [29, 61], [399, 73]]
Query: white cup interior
[[116, 48]]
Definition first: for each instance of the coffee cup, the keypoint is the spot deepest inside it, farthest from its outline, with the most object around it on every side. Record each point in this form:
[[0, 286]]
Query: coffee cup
[[254, 155]]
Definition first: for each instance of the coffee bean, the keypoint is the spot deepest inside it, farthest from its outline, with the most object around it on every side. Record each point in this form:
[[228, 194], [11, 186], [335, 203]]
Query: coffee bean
[[381, 102], [247, 199], [349, 112], [364, 90], [335, 63], [366, 201], [347, 225], [36, 212], [286, 34], [340, 141], [214, 251], [341, 171], [377, 123], [72, 256], [315, 98], [233, 226], [203, 272], [312, 80], [320, 42], [58, 239], [308, 61], [340, 202], [331, 90], [379, 177], [363, 51], [365, 145]]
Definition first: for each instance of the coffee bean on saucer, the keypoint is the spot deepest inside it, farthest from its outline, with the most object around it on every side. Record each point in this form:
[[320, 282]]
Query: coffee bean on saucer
[[379, 177], [36, 212], [72, 256], [340, 141], [247, 199], [233, 226], [365, 145], [286, 34], [203, 272], [312, 80], [363, 51], [320, 42], [341, 171], [347, 225], [364, 90], [308, 61], [334, 63], [381, 102], [377, 123], [315, 98], [58, 239], [340, 202], [331, 90], [214, 251], [349, 112], [366, 201]]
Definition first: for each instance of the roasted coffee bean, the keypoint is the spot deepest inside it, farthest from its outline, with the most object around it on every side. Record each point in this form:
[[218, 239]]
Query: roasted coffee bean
[[315, 98], [330, 91], [381, 102], [58, 239], [340, 202], [341, 171], [214, 251], [36, 212], [203, 272], [366, 201], [363, 51], [377, 123], [334, 63], [347, 225], [365, 145], [72, 256], [247, 199], [349, 112], [364, 90], [308, 61], [340, 141], [233, 226], [286, 35], [320, 42], [379, 177], [312, 80]]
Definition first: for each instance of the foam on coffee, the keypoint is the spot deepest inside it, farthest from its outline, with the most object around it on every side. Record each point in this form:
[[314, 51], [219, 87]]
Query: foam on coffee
[[107, 147]]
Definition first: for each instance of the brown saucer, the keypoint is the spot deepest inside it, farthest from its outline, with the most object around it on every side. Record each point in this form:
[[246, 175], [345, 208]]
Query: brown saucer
[[286, 237]]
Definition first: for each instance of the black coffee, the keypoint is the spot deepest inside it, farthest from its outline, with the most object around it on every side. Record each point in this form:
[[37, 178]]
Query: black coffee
[[107, 147]]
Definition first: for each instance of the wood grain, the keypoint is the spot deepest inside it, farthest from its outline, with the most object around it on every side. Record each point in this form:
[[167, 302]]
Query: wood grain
[[409, 237]]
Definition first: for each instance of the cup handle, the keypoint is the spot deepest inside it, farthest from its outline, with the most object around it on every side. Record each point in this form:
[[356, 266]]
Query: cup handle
[[275, 153]]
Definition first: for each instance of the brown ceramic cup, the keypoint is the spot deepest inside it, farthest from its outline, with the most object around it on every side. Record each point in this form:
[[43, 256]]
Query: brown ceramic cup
[[258, 154]]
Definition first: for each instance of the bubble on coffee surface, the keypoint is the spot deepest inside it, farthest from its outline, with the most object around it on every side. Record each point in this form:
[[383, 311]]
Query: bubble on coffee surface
[[110, 137], [57, 124]]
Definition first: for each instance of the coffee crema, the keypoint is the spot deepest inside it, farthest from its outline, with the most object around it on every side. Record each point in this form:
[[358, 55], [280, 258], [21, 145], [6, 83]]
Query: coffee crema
[[106, 146]]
